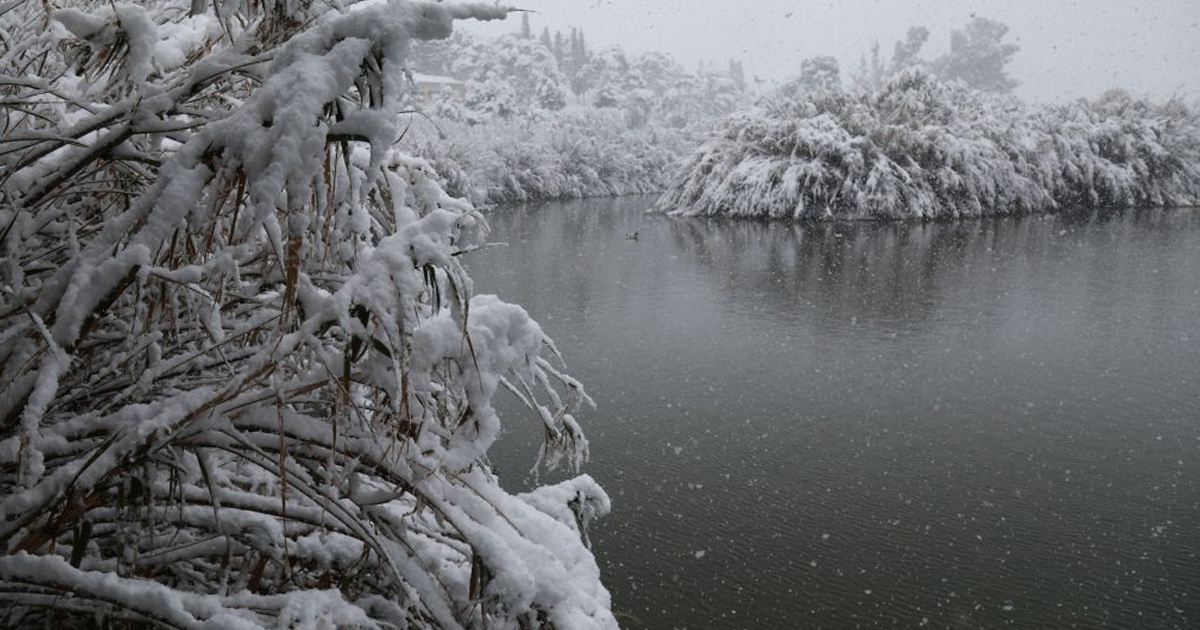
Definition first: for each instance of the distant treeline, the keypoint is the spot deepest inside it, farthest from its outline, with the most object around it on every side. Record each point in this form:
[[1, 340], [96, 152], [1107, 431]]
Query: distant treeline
[[520, 76]]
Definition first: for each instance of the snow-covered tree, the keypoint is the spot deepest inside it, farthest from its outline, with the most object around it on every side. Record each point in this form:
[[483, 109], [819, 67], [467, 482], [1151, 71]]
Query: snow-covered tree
[[737, 74], [244, 380], [691, 99], [819, 74], [507, 75], [978, 55], [907, 53], [654, 89], [870, 75], [575, 61]]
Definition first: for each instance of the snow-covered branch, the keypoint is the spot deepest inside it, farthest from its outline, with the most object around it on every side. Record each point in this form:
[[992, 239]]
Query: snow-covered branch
[[246, 382]]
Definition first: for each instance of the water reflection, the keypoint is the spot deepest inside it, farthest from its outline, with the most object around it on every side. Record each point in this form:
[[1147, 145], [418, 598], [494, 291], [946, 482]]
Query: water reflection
[[899, 276], [965, 424]]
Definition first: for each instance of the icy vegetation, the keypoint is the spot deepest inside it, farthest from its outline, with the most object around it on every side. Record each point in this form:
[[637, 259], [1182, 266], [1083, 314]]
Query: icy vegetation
[[245, 380], [573, 154], [921, 148], [549, 118]]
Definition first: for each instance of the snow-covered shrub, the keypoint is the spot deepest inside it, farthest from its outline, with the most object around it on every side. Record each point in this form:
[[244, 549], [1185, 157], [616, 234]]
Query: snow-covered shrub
[[568, 154], [1120, 151], [244, 380], [923, 148]]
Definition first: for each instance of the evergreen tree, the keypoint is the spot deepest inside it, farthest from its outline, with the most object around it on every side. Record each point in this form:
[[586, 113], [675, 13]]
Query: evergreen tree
[[576, 61], [737, 73], [573, 52], [560, 50], [819, 74], [907, 53], [871, 74]]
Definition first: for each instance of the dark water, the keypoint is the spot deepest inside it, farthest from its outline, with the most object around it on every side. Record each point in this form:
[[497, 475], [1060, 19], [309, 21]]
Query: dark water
[[963, 425]]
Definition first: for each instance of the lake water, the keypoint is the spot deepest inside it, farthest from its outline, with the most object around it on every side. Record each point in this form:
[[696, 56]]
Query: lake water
[[963, 425]]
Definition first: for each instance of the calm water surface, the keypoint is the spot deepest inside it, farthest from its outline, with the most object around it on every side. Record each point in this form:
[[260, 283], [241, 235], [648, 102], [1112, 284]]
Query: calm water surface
[[962, 425]]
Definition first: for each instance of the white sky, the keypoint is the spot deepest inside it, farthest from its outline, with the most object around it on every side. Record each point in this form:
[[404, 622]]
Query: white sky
[[1069, 48]]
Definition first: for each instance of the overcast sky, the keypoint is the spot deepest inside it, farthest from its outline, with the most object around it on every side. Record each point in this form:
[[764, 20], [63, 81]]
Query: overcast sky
[[1068, 48]]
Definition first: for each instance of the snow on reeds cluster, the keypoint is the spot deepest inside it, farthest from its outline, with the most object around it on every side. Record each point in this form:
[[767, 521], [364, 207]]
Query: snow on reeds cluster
[[245, 381], [923, 148], [566, 154]]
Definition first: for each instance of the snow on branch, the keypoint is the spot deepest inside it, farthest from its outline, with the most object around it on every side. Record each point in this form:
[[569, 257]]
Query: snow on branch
[[245, 381]]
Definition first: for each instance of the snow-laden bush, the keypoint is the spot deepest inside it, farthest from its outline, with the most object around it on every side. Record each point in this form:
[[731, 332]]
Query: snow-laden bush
[[570, 154], [1120, 151], [923, 148], [244, 380]]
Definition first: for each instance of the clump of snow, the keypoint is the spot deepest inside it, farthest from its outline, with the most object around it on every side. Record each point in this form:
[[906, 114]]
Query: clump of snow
[[141, 36]]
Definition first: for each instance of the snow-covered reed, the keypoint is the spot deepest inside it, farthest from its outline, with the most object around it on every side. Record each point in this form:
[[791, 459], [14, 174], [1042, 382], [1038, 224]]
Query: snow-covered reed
[[921, 148], [245, 382]]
